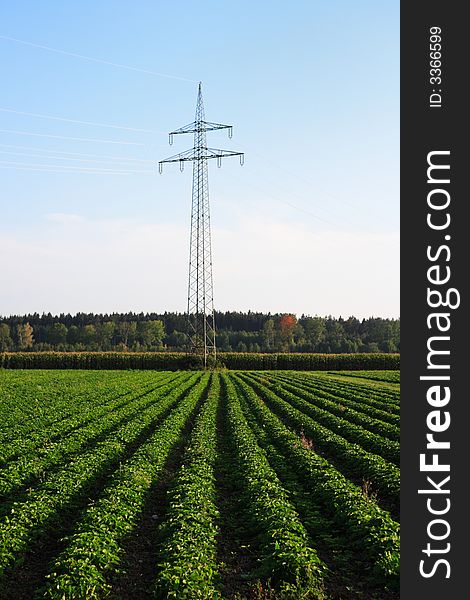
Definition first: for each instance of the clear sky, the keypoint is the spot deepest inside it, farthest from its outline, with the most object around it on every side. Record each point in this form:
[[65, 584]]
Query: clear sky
[[310, 223]]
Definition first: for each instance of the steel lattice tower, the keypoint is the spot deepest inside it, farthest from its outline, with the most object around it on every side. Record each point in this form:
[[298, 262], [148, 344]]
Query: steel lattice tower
[[201, 322]]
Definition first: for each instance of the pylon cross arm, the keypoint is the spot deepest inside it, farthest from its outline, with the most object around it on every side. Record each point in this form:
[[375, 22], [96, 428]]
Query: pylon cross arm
[[198, 126], [200, 154]]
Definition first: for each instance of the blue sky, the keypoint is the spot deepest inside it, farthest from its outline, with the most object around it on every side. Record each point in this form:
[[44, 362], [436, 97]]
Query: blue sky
[[309, 224]]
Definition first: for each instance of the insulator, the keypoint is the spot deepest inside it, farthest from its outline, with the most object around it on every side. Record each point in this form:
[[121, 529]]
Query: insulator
[[242, 159], [170, 139], [230, 132], [219, 161], [160, 168], [181, 166]]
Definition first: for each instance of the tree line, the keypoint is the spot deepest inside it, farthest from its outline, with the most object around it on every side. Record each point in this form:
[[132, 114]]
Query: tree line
[[236, 332]]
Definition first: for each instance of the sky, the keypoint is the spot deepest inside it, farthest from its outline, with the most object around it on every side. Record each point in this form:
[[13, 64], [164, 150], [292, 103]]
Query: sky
[[309, 224]]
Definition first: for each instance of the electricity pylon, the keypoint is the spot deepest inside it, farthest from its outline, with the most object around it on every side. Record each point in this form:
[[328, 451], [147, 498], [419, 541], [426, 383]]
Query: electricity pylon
[[201, 322]]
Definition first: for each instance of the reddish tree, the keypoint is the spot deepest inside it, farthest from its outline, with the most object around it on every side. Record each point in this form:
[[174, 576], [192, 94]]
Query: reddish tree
[[287, 324]]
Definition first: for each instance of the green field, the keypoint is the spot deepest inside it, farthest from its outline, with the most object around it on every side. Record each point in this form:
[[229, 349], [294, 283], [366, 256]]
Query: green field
[[241, 484]]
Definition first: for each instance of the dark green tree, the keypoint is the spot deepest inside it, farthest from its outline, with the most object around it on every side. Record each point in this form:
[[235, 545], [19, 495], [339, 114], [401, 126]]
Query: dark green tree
[[6, 342], [56, 334]]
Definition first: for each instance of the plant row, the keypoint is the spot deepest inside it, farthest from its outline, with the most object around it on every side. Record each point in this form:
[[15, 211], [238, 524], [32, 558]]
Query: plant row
[[94, 549], [293, 567], [37, 399], [44, 437], [346, 409], [180, 360], [346, 567], [103, 421], [362, 391], [69, 487], [372, 442], [370, 529], [351, 458], [321, 384], [387, 413], [188, 553], [386, 376]]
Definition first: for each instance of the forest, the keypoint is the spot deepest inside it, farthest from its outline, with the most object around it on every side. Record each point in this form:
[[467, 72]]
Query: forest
[[236, 332]]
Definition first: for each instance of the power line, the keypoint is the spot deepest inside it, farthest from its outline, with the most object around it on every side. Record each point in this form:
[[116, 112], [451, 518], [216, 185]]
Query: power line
[[65, 137], [67, 120], [109, 156], [38, 170], [280, 200], [87, 160], [315, 186], [70, 168], [93, 59]]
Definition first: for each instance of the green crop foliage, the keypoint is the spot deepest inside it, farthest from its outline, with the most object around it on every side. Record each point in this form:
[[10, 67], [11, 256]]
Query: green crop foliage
[[287, 556], [346, 454], [246, 484], [375, 419], [173, 361], [94, 548], [351, 426], [189, 565], [371, 528]]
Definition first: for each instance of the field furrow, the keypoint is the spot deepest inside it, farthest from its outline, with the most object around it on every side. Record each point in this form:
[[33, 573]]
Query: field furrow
[[230, 485], [324, 399], [187, 556], [70, 402], [351, 459], [38, 463], [33, 432], [385, 376], [347, 575], [372, 442], [286, 558], [94, 547], [363, 391], [370, 528], [28, 518]]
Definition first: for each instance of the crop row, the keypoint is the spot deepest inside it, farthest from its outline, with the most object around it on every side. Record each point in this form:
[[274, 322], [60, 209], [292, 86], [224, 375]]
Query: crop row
[[320, 384], [188, 561], [386, 376], [47, 412], [257, 484], [179, 360], [371, 530], [346, 566], [286, 555], [372, 442], [348, 456], [94, 548], [26, 520], [35, 461], [346, 409], [27, 399], [44, 438], [362, 391], [387, 414]]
